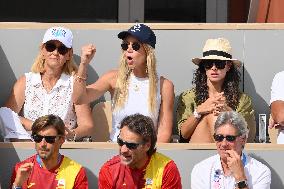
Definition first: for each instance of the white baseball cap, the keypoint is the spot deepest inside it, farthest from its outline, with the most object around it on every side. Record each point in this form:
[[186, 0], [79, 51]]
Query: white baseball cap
[[61, 34]]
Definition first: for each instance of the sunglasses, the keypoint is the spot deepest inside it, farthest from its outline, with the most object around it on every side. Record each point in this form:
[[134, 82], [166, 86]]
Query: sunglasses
[[48, 139], [219, 64], [135, 46], [129, 145], [229, 138], [50, 47]]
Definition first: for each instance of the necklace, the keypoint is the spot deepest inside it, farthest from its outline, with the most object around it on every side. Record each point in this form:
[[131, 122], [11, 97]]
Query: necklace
[[138, 83], [48, 84]]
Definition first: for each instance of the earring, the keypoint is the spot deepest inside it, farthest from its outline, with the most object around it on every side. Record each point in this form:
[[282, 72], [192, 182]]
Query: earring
[[146, 69]]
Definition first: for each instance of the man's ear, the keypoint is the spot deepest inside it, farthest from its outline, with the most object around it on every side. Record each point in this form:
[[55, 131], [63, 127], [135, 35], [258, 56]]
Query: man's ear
[[147, 146], [61, 140], [244, 141]]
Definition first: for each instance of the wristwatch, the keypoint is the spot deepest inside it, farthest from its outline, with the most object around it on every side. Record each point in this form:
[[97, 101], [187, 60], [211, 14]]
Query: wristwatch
[[196, 114], [16, 187], [241, 184]]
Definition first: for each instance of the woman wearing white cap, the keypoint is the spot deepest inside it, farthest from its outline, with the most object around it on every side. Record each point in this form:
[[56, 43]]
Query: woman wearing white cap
[[47, 89], [135, 87], [216, 90]]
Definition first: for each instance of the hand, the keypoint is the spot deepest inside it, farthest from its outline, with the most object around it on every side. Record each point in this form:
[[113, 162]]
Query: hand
[[235, 165], [215, 105], [23, 173], [88, 52], [70, 134], [272, 124]]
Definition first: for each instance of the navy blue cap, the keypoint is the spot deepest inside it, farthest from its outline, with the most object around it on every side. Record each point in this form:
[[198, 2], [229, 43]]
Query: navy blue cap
[[142, 32]]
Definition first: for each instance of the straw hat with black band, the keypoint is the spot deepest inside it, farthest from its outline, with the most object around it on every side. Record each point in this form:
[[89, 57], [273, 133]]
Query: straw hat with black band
[[217, 49]]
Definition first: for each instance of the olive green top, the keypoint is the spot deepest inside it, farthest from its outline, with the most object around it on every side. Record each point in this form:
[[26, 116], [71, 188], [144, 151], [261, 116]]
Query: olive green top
[[187, 105]]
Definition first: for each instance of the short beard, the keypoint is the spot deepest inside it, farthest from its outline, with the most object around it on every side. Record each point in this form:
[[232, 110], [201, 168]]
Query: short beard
[[45, 156]]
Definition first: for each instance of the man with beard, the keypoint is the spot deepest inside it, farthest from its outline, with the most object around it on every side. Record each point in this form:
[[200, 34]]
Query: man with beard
[[138, 165], [231, 167], [48, 168]]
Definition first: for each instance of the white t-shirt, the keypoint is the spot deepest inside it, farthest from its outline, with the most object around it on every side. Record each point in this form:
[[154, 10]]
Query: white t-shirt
[[137, 102], [277, 93], [208, 174]]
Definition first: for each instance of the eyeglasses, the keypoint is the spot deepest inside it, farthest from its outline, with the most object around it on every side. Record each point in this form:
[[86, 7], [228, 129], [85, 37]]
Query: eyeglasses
[[50, 47], [48, 139], [135, 46], [229, 138], [129, 145], [219, 64]]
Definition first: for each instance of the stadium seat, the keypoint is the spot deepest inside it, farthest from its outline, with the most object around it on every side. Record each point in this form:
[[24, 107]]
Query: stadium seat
[[103, 121]]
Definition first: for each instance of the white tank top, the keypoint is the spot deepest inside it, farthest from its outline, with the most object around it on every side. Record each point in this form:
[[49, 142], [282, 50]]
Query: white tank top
[[58, 101], [137, 102]]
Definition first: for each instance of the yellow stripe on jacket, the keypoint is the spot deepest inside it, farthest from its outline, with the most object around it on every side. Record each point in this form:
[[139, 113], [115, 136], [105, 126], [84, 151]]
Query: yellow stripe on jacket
[[155, 170], [67, 173]]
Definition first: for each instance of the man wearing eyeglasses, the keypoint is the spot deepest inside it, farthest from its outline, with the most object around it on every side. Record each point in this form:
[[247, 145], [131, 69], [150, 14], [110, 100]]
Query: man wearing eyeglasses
[[231, 167], [48, 168], [138, 165]]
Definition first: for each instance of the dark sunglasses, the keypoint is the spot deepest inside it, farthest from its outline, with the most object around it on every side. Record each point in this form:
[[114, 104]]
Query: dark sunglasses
[[50, 47], [48, 139], [129, 145], [229, 138], [135, 46], [219, 64]]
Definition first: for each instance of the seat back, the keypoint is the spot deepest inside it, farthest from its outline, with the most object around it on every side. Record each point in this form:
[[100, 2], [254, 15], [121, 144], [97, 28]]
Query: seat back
[[102, 117]]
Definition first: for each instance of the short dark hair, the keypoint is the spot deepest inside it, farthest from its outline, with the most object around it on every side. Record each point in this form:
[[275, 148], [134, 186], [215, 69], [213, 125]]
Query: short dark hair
[[143, 126], [49, 121]]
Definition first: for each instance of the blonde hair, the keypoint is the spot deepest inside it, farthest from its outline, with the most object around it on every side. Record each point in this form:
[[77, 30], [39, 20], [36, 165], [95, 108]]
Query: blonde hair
[[122, 82], [68, 68]]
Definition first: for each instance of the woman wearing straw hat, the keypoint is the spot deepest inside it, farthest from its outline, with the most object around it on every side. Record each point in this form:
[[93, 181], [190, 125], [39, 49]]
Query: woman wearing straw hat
[[216, 90], [135, 87], [47, 89]]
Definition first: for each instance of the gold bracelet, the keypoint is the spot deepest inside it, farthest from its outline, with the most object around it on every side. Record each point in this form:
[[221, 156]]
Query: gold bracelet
[[82, 78]]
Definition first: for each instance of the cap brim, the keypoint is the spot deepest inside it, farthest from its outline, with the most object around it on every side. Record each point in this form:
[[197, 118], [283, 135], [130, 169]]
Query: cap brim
[[123, 34], [57, 39], [197, 61]]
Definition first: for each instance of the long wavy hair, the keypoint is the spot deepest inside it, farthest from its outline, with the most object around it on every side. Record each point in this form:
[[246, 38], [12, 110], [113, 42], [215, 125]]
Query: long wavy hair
[[230, 86], [38, 66], [122, 82]]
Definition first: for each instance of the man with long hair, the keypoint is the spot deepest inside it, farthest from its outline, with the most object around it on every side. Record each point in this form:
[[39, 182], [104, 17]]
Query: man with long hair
[[138, 165]]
